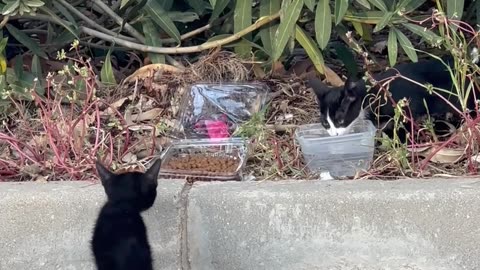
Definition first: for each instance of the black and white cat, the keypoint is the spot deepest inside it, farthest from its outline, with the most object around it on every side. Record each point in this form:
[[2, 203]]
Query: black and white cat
[[120, 239], [341, 107]]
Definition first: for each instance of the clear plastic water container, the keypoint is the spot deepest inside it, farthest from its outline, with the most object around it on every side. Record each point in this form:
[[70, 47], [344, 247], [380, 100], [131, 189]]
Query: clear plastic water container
[[341, 156]]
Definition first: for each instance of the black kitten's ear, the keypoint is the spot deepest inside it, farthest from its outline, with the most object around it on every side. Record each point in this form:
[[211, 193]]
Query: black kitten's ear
[[105, 174], [319, 88], [152, 172]]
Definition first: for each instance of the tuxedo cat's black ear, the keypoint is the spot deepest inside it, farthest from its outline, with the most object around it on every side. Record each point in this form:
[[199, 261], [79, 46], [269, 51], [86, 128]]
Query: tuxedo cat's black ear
[[104, 173], [319, 88], [152, 172], [351, 83], [351, 86]]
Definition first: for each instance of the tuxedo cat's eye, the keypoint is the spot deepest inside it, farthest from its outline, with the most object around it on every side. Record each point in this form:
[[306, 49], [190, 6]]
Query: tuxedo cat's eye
[[341, 121]]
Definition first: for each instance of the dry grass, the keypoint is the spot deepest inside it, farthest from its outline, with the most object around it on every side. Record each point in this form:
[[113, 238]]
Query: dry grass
[[51, 139]]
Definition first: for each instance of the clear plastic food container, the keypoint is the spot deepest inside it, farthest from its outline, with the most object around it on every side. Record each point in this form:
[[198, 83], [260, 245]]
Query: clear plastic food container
[[341, 156], [213, 110], [205, 159]]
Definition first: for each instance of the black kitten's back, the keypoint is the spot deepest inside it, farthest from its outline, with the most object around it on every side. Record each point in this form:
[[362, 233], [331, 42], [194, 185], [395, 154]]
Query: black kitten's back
[[120, 239]]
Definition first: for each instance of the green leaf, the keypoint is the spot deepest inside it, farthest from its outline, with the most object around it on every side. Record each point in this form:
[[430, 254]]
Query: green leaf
[[220, 5], [183, 17], [347, 57], [323, 23], [26, 41], [218, 37], [213, 3], [477, 11], [309, 3], [267, 33], [106, 74], [379, 4], [364, 30], [425, 33], [65, 37], [364, 3], [242, 18], [50, 32], [10, 7], [36, 67], [403, 4], [243, 41], [26, 80], [34, 3], [152, 40], [341, 7], [310, 48], [166, 4], [406, 45], [392, 47], [124, 3], [160, 17], [390, 4], [37, 73], [286, 27], [60, 21], [18, 67], [65, 13], [197, 5], [413, 5], [3, 64], [385, 20], [3, 44], [455, 8]]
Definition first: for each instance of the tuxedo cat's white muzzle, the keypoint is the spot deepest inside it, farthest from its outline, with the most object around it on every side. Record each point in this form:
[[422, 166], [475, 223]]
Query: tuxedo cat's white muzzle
[[334, 131]]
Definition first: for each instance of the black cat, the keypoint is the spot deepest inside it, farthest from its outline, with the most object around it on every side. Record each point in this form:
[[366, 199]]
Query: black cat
[[341, 106], [120, 237]]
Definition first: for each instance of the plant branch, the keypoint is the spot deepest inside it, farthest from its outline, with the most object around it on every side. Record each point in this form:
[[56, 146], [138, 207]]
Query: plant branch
[[183, 50], [89, 21], [119, 21]]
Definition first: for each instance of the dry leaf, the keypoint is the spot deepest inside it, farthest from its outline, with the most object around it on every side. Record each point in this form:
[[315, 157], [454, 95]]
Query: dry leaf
[[258, 71], [149, 71], [278, 69], [332, 77], [448, 155], [41, 179], [148, 115], [129, 158], [140, 127], [475, 158], [117, 104], [379, 46], [284, 105], [32, 169]]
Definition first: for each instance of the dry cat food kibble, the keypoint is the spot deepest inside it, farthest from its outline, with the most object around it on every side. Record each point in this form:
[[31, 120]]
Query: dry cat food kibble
[[204, 163]]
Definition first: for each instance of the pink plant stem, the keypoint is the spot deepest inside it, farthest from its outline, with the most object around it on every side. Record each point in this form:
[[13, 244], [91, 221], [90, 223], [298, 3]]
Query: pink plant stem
[[97, 133], [278, 158], [14, 143], [45, 116]]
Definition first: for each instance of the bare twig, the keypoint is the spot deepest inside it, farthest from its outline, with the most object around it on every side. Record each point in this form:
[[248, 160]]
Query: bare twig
[[119, 21], [183, 50], [89, 21]]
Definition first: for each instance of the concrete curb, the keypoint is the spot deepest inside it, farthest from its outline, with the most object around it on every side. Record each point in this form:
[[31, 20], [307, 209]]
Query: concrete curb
[[405, 224]]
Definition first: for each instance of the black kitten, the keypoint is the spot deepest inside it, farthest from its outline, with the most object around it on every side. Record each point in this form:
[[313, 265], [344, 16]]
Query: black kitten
[[120, 237], [340, 107]]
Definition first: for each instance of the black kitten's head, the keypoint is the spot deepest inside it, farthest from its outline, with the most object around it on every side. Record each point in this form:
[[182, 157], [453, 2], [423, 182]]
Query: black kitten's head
[[135, 188], [339, 106]]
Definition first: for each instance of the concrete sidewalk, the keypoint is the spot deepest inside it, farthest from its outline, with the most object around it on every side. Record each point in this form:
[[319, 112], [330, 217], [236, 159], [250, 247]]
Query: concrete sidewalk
[[406, 224]]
